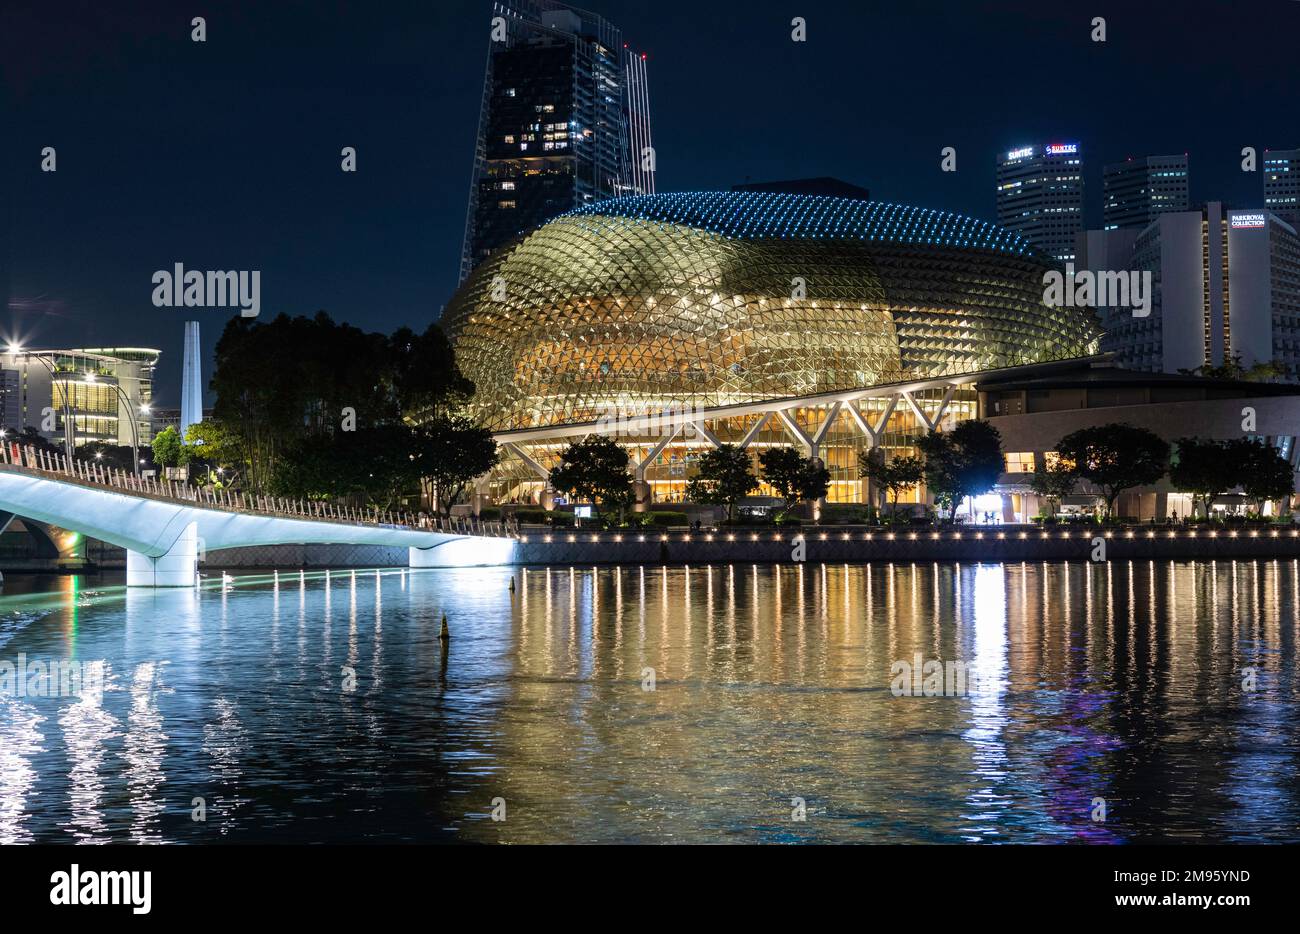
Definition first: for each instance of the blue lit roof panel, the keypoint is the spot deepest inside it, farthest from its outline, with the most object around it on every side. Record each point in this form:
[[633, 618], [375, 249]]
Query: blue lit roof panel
[[762, 214]]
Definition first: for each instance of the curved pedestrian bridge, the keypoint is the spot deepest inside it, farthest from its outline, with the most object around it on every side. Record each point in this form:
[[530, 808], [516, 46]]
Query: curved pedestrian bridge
[[167, 527]]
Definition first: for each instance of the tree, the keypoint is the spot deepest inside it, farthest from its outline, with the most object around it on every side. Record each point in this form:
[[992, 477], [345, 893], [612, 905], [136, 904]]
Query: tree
[[1205, 469], [794, 477], [1265, 474], [894, 474], [1263, 371], [451, 452], [595, 468], [168, 451], [423, 374], [214, 445], [1115, 457], [966, 461], [1053, 483], [286, 379], [1266, 371], [725, 475]]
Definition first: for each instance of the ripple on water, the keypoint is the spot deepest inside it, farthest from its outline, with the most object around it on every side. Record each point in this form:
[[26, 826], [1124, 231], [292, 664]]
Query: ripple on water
[[321, 711]]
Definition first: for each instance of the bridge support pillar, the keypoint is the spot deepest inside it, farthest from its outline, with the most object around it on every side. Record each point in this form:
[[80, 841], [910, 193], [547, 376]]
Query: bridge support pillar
[[422, 558], [179, 567], [465, 552]]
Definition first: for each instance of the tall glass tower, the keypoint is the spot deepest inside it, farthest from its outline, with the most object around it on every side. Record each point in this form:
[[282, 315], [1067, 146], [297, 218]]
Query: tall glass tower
[[1137, 191], [1040, 195], [565, 122]]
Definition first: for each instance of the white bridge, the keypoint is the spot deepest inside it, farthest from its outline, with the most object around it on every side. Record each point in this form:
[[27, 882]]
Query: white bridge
[[166, 527]]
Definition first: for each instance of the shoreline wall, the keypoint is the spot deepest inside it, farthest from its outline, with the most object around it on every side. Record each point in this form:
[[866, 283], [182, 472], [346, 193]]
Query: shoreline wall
[[829, 545], [993, 543]]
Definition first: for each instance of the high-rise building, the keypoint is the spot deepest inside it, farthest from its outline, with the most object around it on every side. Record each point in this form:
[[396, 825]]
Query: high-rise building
[[564, 122], [641, 154], [1040, 195], [1136, 191], [11, 399], [1225, 287], [1282, 184]]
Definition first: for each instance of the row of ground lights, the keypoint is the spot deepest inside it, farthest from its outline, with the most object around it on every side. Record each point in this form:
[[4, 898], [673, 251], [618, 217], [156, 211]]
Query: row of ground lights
[[913, 536]]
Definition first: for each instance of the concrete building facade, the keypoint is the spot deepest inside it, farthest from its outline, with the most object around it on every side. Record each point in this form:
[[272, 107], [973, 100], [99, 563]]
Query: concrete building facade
[[1226, 289], [88, 394]]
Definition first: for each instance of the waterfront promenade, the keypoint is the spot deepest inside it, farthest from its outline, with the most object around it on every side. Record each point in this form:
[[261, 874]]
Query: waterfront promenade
[[861, 544]]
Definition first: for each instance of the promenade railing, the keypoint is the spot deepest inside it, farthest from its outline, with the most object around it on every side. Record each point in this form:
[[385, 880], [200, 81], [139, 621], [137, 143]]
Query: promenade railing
[[59, 466]]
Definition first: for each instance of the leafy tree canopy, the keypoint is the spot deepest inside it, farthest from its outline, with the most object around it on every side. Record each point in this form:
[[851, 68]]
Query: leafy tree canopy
[[966, 461], [795, 478], [595, 468], [725, 475], [1115, 457], [168, 451], [895, 474]]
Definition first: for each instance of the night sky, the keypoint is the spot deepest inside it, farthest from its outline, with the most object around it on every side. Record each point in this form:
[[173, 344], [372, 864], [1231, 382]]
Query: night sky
[[225, 154]]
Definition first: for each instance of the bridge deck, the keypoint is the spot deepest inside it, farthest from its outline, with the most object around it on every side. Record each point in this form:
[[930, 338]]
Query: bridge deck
[[92, 476], [167, 527]]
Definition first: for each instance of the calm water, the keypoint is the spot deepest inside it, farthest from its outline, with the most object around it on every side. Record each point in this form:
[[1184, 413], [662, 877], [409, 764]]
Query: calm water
[[1121, 682]]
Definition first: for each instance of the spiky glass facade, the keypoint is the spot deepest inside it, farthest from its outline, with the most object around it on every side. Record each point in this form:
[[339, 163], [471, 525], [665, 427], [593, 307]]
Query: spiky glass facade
[[682, 302], [669, 301]]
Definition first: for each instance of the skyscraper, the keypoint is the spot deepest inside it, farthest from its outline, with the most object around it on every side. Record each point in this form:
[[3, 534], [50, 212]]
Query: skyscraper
[[1282, 183], [1136, 191], [1040, 195], [564, 122]]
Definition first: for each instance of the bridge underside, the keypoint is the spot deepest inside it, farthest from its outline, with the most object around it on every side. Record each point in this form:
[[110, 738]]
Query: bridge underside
[[166, 540]]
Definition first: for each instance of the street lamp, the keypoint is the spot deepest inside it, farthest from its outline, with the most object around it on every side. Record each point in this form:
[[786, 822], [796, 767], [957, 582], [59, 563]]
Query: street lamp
[[68, 430], [135, 430]]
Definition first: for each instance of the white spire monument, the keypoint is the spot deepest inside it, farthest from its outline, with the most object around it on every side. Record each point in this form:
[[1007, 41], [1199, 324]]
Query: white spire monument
[[191, 379]]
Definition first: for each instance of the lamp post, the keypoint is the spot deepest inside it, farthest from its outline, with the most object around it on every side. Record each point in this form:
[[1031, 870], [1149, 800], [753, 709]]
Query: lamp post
[[68, 428], [135, 430]]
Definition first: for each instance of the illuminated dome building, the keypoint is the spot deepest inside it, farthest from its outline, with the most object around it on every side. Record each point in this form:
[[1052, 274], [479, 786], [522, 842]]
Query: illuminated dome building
[[762, 316]]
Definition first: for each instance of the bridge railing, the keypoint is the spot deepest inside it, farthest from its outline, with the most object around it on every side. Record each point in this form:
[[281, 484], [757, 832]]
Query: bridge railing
[[57, 465]]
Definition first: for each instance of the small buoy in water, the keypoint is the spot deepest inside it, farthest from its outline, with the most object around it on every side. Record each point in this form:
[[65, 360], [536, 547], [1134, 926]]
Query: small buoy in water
[[512, 583], [444, 635]]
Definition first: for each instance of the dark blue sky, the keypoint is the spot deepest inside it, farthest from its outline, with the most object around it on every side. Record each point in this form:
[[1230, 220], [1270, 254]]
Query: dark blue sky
[[225, 155]]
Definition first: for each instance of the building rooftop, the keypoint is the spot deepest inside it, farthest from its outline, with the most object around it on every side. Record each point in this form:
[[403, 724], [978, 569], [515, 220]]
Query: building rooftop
[[822, 185], [1088, 374], [763, 215]]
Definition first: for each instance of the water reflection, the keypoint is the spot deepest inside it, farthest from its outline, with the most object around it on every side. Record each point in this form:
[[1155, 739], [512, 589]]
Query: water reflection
[[1164, 692], [87, 730], [142, 749]]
